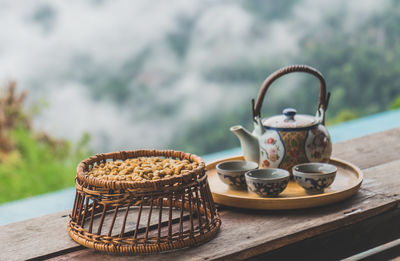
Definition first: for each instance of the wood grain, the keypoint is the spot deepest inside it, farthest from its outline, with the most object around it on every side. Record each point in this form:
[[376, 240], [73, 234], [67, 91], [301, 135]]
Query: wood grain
[[244, 233], [384, 179], [26, 235], [371, 150], [344, 242], [36, 237]]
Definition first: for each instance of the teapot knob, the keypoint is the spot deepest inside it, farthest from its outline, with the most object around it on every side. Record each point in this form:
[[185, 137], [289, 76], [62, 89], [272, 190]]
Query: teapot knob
[[289, 113]]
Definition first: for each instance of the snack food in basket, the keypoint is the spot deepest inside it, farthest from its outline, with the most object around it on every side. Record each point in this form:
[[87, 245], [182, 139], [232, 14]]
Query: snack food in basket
[[142, 168]]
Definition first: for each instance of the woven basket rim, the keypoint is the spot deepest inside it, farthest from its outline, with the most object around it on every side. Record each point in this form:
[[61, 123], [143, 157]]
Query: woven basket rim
[[156, 184]]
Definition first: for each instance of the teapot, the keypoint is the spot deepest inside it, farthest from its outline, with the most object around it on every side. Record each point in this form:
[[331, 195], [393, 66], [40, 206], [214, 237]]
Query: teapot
[[289, 139]]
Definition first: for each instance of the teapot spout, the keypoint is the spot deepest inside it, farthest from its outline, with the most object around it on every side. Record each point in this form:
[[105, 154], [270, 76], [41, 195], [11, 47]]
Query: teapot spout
[[248, 142]]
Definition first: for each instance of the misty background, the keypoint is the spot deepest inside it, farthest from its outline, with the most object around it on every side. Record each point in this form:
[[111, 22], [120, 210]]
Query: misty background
[[178, 74]]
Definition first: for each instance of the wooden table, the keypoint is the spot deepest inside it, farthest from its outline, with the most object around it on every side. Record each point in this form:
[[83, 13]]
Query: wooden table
[[368, 219]]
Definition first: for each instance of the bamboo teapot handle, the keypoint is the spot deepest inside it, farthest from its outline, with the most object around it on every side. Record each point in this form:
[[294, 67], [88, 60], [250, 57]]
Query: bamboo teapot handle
[[323, 96]]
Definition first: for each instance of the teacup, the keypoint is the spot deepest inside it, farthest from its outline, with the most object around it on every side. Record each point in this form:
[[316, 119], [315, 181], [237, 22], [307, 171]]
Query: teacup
[[314, 177], [232, 172], [267, 182]]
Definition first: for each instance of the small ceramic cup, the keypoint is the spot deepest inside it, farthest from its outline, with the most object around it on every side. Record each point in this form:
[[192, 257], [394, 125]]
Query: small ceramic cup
[[232, 172], [267, 182], [314, 177]]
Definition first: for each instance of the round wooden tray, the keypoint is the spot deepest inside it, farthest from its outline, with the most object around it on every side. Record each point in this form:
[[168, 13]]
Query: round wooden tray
[[348, 181]]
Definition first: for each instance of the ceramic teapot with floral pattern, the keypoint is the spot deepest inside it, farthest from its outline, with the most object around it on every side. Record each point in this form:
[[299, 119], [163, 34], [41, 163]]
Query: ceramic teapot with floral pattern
[[289, 139]]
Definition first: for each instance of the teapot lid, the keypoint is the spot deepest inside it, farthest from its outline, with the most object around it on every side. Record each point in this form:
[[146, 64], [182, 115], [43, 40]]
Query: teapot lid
[[290, 120]]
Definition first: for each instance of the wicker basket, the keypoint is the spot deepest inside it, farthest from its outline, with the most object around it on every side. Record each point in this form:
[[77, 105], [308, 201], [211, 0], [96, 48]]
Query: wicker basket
[[142, 217]]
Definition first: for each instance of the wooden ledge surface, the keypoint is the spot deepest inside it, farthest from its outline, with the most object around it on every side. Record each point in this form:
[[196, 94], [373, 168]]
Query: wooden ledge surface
[[244, 233]]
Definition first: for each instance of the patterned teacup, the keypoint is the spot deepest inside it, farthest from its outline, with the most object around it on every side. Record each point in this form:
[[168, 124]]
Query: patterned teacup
[[267, 182], [314, 177], [232, 172]]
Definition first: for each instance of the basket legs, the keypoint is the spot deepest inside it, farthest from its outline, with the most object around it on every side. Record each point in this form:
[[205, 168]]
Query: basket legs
[[129, 223]]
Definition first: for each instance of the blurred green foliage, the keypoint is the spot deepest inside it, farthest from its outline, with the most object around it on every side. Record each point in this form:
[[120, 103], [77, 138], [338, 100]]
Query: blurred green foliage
[[360, 66], [32, 162], [343, 115], [395, 104], [36, 166]]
